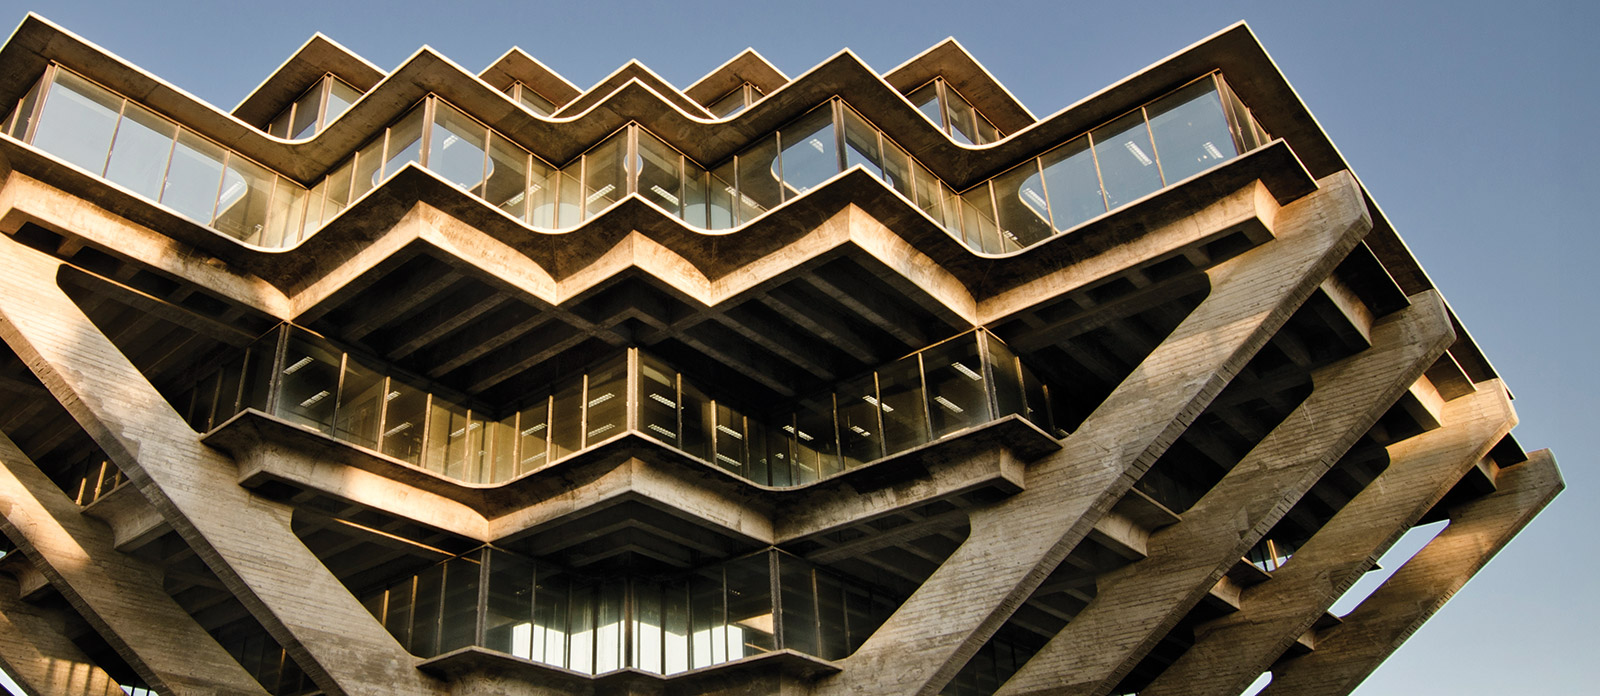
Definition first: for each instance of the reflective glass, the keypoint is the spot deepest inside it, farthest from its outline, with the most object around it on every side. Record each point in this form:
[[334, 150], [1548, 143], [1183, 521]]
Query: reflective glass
[[926, 99], [502, 443], [833, 636], [751, 625], [551, 598], [405, 413], [1127, 162], [193, 177], [810, 154], [202, 403], [260, 362], [987, 133], [605, 173], [1007, 378], [758, 179], [306, 110], [1072, 183], [730, 434], [658, 400], [78, 121], [977, 220], [695, 437], [340, 97], [242, 206], [647, 627], [860, 437], [360, 410], [283, 218], [566, 419], [531, 99], [337, 194], [307, 381], [720, 193], [280, 125], [542, 195], [707, 616], [1038, 401], [506, 187], [608, 631], [905, 419], [1022, 212], [533, 435], [660, 174], [315, 199], [425, 614], [456, 148], [957, 398], [816, 441], [758, 467], [931, 193], [729, 104], [861, 144], [1190, 131], [405, 141], [580, 628], [799, 605], [397, 613], [897, 168], [570, 203], [458, 627], [139, 155], [695, 204], [675, 627], [368, 169], [606, 403], [960, 115]]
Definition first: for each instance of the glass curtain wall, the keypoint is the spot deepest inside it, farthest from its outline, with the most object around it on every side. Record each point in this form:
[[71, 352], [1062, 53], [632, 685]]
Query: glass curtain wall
[[952, 113], [302, 378], [664, 624], [325, 101]]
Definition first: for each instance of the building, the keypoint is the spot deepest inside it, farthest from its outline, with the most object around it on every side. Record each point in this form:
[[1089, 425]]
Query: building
[[426, 382]]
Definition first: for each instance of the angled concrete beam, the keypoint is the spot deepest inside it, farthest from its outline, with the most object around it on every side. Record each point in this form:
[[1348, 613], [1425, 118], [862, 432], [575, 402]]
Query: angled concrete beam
[[245, 540], [1138, 604], [1350, 651], [1232, 651], [43, 660], [120, 596], [1013, 547]]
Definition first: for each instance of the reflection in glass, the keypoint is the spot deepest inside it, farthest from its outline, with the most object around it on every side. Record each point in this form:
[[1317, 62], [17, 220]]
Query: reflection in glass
[[957, 398], [193, 177], [456, 149], [307, 380], [360, 408], [758, 178], [1191, 132], [78, 122], [905, 419], [405, 414], [660, 174], [861, 144], [1073, 184], [605, 173], [405, 141], [139, 154], [506, 186], [810, 154], [1022, 212], [1127, 159], [242, 205], [860, 433]]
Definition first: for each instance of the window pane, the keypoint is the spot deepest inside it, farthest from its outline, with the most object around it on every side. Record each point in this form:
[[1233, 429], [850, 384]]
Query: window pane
[[24, 112], [860, 438], [259, 365], [242, 207], [280, 125], [397, 617], [508, 614], [550, 604], [283, 219], [861, 144], [360, 405], [926, 99], [139, 155], [502, 443], [675, 627], [425, 615], [816, 441], [647, 626], [405, 141], [897, 168], [930, 193], [193, 177], [810, 154], [730, 433], [570, 204], [1127, 167], [660, 171], [987, 133], [608, 633], [729, 104], [1190, 131], [758, 180], [309, 377], [368, 170], [446, 447], [977, 220], [507, 185], [905, 421], [78, 121], [531, 99], [566, 419], [1072, 184], [834, 641], [405, 408], [750, 620], [533, 435], [695, 208], [305, 113], [456, 150], [695, 439], [580, 628], [339, 99], [459, 626], [338, 191], [542, 195], [960, 115], [799, 605], [1007, 378], [720, 194], [606, 401], [957, 398], [1023, 215], [605, 174], [707, 615]]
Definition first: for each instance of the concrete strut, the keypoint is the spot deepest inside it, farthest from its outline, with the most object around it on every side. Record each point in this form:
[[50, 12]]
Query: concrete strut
[[1136, 605], [1232, 651], [43, 661], [1014, 546], [116, 593], [1347, 653], [245, 540]]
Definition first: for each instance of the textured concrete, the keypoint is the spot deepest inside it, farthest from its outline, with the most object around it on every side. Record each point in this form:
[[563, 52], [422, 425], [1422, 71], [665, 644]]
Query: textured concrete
[[1137, 605], [1350, 651], [1013, 547], [43, 660], [1231, 652]]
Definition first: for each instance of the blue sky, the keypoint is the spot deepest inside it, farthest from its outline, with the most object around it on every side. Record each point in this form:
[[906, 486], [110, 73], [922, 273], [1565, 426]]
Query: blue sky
[[1462, 118]]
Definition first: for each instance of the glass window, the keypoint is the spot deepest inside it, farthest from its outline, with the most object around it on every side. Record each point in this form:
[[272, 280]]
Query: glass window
[[926, 99], [931, 193], [338, 191], [78, 121], [502, 442], [860, 437], [708, 617], [508, 614], [24, 112], [533, 435], [695, 203], [360, 409], [605, 173], [570, 203], [1007, 378], [542, 183], [647, 626], [1022, 213], [260, 361], [425, 612], [1191, 133], [608, 633], [368, 169], [340, 97], [580, 628], [405, 412], [405, 141], [280, 125], [660, 173], [446, 447], [720, 193], [139, 155], [834, 637], [695, 437], [456, 149], [729, 104], [309, 376], [816, 441], [977, 220], [957, 398], [730, 434], [1072, 183], [810, 154], [193, 177], [961, 117], [536, 103], [566, 419], [606, 402], [799, 605], [306, 110], [861, 144], [987, 133], [506, 187], [675, 627], [751, 626], [459, 614], [1127, 162], [551, 598], [283, 218], [759, 188], [905, 419], [242, 206], [897, 168]]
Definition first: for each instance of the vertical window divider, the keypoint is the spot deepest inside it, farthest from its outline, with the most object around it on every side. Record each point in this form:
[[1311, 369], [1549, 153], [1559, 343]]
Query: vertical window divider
[[836, 111], [583, 413], [1155, 150], [383, 411], [122, 111], [216, 197], [275, 383], [991, 388], [427, 427], [630, 166], [631, 418], [775, 590], [944, 113], [338, 391], [480, 622], [45, 85], [324, 86], [994, 210], [425, 143], [883, 436], [927, 414], [1044, 186], [1094, 155]]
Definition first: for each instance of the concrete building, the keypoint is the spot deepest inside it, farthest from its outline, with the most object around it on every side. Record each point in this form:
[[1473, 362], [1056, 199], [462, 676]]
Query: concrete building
[[431, 382]]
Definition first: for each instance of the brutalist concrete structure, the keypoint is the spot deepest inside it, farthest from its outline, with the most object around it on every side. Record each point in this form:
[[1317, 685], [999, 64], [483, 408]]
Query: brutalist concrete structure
[[432, 382]]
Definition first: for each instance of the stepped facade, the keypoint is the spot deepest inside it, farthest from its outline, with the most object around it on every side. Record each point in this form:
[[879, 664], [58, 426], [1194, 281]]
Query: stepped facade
[[432, 382]]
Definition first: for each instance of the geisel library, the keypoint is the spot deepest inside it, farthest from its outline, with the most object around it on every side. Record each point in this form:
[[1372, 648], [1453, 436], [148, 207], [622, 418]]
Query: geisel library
[[852, 383]]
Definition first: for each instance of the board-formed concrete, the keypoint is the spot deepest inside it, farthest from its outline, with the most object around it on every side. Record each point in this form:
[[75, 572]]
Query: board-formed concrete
[[1159, 385]]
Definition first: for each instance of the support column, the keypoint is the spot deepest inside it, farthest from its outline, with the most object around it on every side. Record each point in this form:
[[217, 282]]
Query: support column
[[1136, 605], [1231, 652], [245, 540], [1347, 653], [42, 660], [1016, 543], [120, 596]]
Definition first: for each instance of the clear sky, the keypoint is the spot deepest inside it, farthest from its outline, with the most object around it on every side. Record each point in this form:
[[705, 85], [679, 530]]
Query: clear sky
[[1462, 118]]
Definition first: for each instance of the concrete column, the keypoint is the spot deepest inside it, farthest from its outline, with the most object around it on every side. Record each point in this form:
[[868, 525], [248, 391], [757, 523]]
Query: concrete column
[[1230, 652], [1016, 543], [119, 595], [42, 660], [1136, 605], [1347, 653], [245, 540]]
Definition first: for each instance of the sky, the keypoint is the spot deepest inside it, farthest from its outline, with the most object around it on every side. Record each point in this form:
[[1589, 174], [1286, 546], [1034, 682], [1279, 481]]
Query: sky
[[1462, 119]]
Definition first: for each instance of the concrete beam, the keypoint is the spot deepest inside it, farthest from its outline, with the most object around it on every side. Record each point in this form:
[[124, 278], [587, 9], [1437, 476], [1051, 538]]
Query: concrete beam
[[43, 660]]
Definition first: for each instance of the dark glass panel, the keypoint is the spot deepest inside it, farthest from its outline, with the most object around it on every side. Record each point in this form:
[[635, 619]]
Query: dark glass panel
[[708, 617], [798, 600], [750, 621], [810, 155], [695, 437], [759, 189], [397, 613], [205, 399], [647, 626], [608, 631], [730, 434], [260, 361], [425, 612], [1191, 132], [1072, 183], [759, 466], [458, 626], [605, 173], [658, 400], [506, 187], [360, 405], [957, 398], [456, 148], [606, 401], [78, 121], [307, 381], [660, 174], [551, 600], [193, 177], [1007, 378], [139, 154], [781, 452], [533, 436], [580, 628], [405, 412], [905, 420], [1038, 400], [834, 641], [860, 437], [1022, 212], [675, 627], [816, 441], [566, 426], [1127, 162]]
